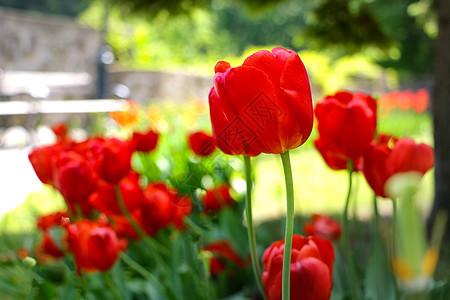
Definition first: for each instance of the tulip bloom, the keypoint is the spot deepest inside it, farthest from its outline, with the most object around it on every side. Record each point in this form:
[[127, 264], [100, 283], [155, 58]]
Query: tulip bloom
[[116, 162], [311, 269], [42, 159], [222, 253], [217, 198], [162, 207], [144, 142], [48, 249], [95, 247], [75, 177], [262, 106], [347, 124], [382, 161], [324, 227], [332, 159], [201, 143], [60, 130], [54, 219], [105, 199]]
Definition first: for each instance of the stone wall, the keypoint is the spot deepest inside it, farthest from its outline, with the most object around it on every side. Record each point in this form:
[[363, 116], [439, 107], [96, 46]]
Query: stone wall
[[38, 42], [159, 86]]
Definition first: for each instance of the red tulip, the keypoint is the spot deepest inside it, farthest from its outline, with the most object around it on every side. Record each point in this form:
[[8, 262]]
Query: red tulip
[[163, 207], [75, 177], [144, 142], [201, 143], [116, 160], [333, 160], [223, 253], [382, 161], [42, 161], [95, 247], [324, 227], [217, 198], [311, 269], [262, 106], [105, 199], [182, 208], [54, 219], [48, 249], [92, 150], [60, 130], [347, 124], [123, 227]]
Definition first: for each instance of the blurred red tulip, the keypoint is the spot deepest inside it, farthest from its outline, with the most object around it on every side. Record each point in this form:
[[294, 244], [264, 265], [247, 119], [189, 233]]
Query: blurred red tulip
[[104, 198], [144, 142], [405, 100], [116, 161], [324, 227], [75, 177], [312, 261], [48, 249], [217, 198], [60, 130], [383, 160], [201, 143], [262, 106], [347, 124], [222, 254], [123, 227], [50, 220], [95, 247], [163, 207], [42, 159]]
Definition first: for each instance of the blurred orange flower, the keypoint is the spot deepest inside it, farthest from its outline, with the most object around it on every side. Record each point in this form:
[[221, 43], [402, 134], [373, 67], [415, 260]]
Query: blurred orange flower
[[128, 116]]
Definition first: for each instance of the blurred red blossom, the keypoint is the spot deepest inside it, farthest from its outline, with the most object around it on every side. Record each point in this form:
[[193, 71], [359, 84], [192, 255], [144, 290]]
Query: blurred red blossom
[[386, 158], [95, 246], [324, 227], [201, 143], [163, 206], [222, 254], [144, 142], [60, 130], [217, 198], [405, 100]]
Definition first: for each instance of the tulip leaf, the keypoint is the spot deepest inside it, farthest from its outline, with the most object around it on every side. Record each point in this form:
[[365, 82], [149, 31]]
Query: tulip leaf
[[340, 284], [8, 286], [441, 290], [379, 281], [231, 224]]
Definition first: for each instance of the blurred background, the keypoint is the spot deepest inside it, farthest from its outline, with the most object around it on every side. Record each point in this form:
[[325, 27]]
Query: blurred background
[[161, 54]]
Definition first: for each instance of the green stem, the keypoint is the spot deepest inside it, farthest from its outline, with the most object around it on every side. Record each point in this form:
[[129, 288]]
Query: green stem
[[394, 225], [250, 229], [376, 216], [346, 239], [111, 286], [289, 225]]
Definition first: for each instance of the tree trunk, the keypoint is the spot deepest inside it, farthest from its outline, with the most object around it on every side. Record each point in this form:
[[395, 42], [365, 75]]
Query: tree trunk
[[441, 114]]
